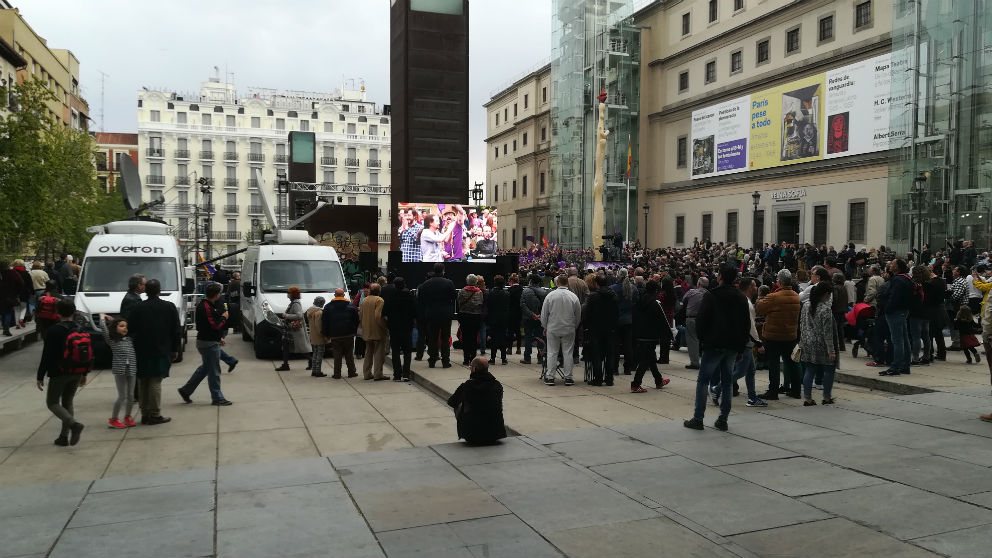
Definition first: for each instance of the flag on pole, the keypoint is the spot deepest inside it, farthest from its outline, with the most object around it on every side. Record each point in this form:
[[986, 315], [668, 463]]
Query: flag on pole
[[630, 158], [544, 241], [208, 267]]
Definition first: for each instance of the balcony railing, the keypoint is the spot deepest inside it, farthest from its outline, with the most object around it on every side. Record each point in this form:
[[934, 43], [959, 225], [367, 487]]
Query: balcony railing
[[231, 208], [332, 161], [349, 162], [182, 154], [230, 156], [282, 158], [254, 210], [230, 182], [154, 179], [385, 237], [155, 152], [228, 235], [206, 208], [181, 207], [182, 181], [253, 183], [374, 163], [207, 155], [256, 157]]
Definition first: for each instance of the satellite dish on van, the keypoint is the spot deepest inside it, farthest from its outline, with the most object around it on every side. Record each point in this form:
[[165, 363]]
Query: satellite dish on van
[[131, 192], [266, 206]]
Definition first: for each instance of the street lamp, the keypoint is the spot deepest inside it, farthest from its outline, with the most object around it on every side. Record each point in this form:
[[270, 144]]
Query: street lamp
[[646, 208], [756, 197], [477, 193], [918, 193], [558, 227]]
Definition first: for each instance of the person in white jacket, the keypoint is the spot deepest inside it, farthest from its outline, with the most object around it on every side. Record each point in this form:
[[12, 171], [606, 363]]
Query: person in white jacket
[[560, 316]]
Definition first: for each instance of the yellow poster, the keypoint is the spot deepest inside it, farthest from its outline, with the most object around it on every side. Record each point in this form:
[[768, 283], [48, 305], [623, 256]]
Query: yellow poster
[[786, 123]]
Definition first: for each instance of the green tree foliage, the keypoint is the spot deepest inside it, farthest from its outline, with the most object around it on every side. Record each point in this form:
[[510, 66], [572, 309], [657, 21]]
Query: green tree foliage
[[48, 184]]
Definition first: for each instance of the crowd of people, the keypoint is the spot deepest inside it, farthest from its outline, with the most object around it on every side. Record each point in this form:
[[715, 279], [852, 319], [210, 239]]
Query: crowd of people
[[21, 285]]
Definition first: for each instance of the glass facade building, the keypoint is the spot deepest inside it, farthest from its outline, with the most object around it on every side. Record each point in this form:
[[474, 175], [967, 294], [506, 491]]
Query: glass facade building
[[596, 47], [940, 178]]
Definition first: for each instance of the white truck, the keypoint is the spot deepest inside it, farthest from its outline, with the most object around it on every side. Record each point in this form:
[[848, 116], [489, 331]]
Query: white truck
[[291, 258], [121, 249]]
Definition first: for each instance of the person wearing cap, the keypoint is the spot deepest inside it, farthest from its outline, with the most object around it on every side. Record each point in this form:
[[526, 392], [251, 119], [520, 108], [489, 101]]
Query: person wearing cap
[[314, 316]]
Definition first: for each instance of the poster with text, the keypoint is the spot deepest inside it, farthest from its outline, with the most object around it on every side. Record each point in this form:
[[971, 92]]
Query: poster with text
[[720, 139], [858, 118], [786, 123]]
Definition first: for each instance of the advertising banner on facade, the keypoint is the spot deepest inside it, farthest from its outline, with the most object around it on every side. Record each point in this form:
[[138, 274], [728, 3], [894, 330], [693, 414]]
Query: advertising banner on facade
[[841, 112]]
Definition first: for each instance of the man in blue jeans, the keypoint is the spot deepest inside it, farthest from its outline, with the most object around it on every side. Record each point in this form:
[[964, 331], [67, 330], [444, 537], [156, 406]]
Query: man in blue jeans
[[211, 325], [744, 367], [895, 301], [723, 326]]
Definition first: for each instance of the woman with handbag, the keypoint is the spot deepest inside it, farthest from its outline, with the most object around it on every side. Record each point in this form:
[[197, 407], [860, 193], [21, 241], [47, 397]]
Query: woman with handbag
[[295, 340], [818, 345]]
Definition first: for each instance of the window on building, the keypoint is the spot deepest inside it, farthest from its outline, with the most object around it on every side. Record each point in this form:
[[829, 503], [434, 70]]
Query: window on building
[[328, 127], [525, 138], [497, 119], [523, 186], [523, 234], [758, 233], [683, 81], [707, 232], [792, 41], [504, 149], [255, 147], [514, 110], [180, 118], [496, 194], [679, 229], [685, 24], [329, 177], [862, 15], [732, 227], [232, 172], [304, 125], [736, 62], [682, 152], [711, 71], [738, 5], [230, 121], [764, 51], [373, 130], [352, 178], [505, 197], [542, 184], [373, 179], [280, 123], [514, 145], [856, 222], [826, 28], [183, 198], [350, 128], [208, 171], [525, 100], [207, 146], [156, 169], [205, 119], [374, 201], [544, 94], [156, 116], [513, 189], [714, 10], [820, 225], [514, 237], [496, 153], [256, 122], [544, 133], [352, 200], [506, 114], [280, 149], [328, 150]]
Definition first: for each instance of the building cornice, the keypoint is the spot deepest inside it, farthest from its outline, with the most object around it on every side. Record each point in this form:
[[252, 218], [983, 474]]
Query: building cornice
[[880, 158], [528, 157], [518, 123], [515, 85], [770, 79]]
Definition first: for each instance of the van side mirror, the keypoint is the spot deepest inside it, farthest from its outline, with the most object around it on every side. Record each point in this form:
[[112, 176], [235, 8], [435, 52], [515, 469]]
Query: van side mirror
[[248, 290], [189, 286]]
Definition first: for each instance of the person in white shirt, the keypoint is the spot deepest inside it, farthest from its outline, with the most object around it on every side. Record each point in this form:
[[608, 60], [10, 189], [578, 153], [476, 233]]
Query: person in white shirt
[[817, 274], [432, 240], [560, 316]]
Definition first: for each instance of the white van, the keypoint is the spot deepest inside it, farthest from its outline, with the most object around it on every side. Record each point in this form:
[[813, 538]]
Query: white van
[[270, 269], [121, 249]]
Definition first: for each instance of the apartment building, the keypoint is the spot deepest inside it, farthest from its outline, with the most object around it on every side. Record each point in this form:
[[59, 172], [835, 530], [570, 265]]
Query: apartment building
[[10, 63], [56, 68], [110, 149], [766, 120], [518, 140], [221, 137]]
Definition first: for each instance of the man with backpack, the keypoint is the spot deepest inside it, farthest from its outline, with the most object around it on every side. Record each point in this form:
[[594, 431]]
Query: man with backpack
[[46, 314], [66, 359]]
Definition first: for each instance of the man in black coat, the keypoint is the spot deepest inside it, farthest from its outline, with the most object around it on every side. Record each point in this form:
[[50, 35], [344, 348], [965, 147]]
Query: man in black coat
[[400, 312], [436, 300], [478, 405], [599, 318], [154, 325], [724, 328], [498, 317], [339, 324], [135, 286]]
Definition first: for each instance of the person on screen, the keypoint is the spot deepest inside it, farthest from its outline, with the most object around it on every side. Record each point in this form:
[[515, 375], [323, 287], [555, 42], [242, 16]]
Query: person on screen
[[410, 228], [487, 243], [432, 240], [455, 220]]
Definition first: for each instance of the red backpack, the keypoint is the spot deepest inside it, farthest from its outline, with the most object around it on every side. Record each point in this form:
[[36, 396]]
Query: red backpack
[[46, 308], [78, 355]]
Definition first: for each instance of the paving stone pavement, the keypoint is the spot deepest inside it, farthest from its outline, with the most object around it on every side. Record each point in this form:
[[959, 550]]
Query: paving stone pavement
[[288, 473]]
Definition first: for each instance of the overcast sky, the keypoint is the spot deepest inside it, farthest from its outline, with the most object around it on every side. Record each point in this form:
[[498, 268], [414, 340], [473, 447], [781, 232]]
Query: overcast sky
[[300, 44]]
